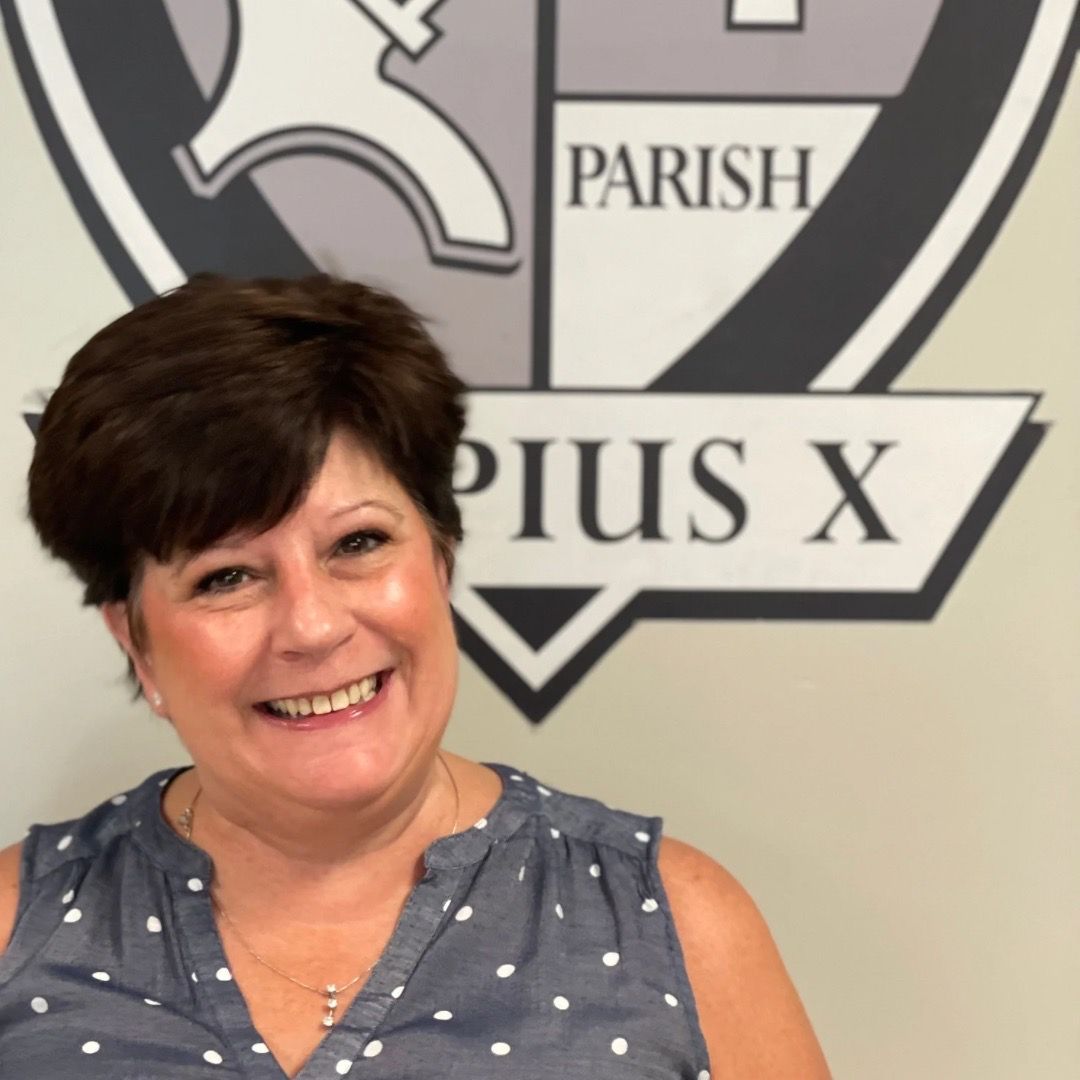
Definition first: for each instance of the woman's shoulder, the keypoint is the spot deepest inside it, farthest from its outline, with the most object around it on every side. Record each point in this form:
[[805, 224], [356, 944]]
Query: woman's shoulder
[[10, 863], [750, 1013]]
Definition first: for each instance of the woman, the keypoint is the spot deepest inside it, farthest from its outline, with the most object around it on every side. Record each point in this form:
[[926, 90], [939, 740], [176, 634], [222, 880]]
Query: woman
[[253, 482]]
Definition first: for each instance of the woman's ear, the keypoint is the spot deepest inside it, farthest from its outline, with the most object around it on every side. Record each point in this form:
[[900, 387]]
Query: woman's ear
[[117, 616]]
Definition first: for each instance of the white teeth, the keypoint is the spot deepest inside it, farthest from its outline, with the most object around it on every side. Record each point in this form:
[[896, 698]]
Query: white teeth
[[356, 693]]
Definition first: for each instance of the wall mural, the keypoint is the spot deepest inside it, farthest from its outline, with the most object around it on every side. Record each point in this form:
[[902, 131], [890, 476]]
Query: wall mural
[[679, 249]]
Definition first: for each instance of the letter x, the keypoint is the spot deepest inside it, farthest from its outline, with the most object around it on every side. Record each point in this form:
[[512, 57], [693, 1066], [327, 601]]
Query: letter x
[[854, 496]]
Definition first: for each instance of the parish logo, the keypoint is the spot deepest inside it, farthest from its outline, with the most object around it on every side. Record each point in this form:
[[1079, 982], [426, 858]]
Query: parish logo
[[679, 249]]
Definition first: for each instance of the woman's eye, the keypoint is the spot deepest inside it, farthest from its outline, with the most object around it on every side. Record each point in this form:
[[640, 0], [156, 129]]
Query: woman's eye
[[221, 580], [362, 543]]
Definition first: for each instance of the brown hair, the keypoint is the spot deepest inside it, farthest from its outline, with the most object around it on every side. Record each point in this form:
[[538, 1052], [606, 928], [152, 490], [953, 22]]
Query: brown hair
[[208, 411]]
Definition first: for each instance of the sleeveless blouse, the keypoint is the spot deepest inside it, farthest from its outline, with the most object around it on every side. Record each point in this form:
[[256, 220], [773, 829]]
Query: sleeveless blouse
[[538, 945]]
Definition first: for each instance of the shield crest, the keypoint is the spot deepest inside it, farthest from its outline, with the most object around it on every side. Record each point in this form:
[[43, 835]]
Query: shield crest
[[685, 204]]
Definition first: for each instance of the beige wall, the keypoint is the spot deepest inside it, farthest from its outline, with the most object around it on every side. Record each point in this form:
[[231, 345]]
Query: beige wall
[[901, 798]]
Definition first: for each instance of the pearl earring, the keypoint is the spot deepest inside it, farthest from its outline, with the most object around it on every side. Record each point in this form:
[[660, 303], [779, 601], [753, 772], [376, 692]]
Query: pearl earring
[[156, 699]]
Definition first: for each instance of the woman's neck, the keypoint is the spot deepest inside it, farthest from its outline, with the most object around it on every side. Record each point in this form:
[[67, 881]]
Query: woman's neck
[[313, 865]]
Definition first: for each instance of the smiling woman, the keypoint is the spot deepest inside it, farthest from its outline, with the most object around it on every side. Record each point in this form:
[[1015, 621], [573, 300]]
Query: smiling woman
[[252, 480]]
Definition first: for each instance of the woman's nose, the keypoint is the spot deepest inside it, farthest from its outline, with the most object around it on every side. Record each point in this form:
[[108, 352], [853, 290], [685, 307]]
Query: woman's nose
[[314, 617]]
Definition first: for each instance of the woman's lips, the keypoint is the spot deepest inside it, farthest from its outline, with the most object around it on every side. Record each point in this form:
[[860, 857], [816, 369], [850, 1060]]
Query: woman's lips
[[335, 717]]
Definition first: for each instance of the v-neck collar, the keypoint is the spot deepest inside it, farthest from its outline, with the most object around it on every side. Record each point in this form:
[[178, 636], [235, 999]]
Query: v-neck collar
[[190, 872]]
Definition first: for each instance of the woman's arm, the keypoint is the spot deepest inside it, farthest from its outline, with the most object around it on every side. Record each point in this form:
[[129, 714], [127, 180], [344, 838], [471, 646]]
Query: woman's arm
[[754, 1024], [9, 891]]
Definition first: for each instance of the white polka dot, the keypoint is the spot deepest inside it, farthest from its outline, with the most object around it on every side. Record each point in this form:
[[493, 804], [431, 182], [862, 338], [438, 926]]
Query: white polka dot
[[611, 959], [561, 1003], [72, 915], [481, 824], [118, 800], [62, 845], [91, 1047], [138, 823], [39, 1005], [260, 1048], [644, 837], [504, 971], [443, 1014], [516, 777], [162, 783], [500, 1049], [446, 906], [559, 910], [555, 834], [619, 1046], [671, 999], [543, 791], [595, 869], [397, 991], [463, 913], [68, 897], [153, 924], [649, 905], [704, 1075], [194, 977], [521, 874], [212, 1057], [195, 884], [223, 974], [373, 1049], [342, 1067], [151, 1001], [101, 976]]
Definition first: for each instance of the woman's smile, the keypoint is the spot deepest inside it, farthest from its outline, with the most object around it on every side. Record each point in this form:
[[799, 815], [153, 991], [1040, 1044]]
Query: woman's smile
[[314, 712]]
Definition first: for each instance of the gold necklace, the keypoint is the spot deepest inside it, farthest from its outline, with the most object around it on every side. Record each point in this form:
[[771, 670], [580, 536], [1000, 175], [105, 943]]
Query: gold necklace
[[186, 822]]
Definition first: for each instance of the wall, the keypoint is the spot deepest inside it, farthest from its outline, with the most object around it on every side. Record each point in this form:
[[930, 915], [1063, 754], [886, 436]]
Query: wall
[[901, 798]]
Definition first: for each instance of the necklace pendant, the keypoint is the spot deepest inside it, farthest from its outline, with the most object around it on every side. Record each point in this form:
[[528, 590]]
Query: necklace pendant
[[331, 1005], [328, 1020]]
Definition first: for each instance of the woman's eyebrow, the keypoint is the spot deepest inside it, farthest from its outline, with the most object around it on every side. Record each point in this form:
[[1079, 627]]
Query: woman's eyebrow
[[379, 503]]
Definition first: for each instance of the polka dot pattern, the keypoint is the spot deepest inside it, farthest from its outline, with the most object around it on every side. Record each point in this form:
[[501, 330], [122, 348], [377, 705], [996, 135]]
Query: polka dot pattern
[[704, 1075], [600, 866]]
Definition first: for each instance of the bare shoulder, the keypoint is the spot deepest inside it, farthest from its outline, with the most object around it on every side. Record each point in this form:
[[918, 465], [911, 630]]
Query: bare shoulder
[[9, 891], [753, 1022]]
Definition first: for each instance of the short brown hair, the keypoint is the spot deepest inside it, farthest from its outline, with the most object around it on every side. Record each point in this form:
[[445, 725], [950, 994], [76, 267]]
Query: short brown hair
[[208, 411]]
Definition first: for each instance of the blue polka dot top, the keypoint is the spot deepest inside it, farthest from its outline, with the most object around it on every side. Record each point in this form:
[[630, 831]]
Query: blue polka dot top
[[538, 944]]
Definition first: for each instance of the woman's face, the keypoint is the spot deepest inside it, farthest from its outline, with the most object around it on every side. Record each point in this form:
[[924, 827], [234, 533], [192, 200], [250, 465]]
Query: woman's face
[[340, 612]]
